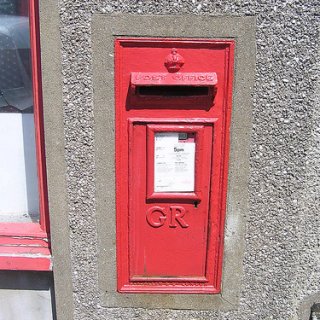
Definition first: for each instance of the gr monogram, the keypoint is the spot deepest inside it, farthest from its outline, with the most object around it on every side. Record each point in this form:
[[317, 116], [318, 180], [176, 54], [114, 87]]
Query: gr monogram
[[157, 216]]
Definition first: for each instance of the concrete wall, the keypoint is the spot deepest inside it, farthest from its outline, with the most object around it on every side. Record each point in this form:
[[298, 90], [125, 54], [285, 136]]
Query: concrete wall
[[281, 260]]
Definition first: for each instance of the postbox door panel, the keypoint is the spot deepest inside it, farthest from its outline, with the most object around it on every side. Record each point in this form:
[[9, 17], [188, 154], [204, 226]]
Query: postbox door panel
[[168, 226]]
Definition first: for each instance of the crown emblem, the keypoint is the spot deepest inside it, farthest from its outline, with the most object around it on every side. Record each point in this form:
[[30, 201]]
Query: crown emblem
[[174, 61]]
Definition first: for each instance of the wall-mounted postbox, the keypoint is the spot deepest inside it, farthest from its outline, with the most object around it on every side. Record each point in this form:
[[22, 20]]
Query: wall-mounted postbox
[[173, 108]]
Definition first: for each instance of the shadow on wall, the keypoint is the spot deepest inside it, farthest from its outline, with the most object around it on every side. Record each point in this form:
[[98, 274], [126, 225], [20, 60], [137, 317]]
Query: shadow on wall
[[309, 308], [315, 312], [26, 295]]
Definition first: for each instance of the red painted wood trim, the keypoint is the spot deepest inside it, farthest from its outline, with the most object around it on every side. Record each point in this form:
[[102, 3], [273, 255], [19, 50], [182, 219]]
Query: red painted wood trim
[[32, 251], [38, 112], [25, 246], [32, 230], [35, 263], [16, 241]]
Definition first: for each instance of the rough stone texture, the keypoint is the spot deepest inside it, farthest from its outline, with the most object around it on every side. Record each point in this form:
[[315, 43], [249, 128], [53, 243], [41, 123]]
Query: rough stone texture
[[282, 258]]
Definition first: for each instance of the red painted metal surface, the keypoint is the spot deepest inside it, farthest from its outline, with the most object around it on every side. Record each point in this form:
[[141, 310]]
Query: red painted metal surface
[[32, 237], [174, 79], [174, 61], [171, 241]]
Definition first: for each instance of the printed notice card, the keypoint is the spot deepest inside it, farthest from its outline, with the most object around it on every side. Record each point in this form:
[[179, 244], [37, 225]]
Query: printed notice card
[[174, 162]]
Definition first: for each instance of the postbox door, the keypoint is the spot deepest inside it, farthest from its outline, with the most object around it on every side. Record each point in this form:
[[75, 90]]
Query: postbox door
[[169, 200]]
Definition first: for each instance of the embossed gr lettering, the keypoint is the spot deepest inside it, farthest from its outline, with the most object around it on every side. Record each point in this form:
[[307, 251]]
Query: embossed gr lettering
[[157, 216]]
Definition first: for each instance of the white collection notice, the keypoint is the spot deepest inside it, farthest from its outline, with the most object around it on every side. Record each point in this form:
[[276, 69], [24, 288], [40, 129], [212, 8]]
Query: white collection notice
[[174, 162]]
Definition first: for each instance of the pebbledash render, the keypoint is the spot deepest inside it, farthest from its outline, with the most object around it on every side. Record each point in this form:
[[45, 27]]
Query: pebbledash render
[[271, 232]]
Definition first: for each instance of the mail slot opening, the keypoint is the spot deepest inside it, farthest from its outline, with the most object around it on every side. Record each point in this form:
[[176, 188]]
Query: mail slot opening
[[172, 91]]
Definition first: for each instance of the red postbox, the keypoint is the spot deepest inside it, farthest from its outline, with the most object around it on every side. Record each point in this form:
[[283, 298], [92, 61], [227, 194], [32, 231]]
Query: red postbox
[[173, 108]]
